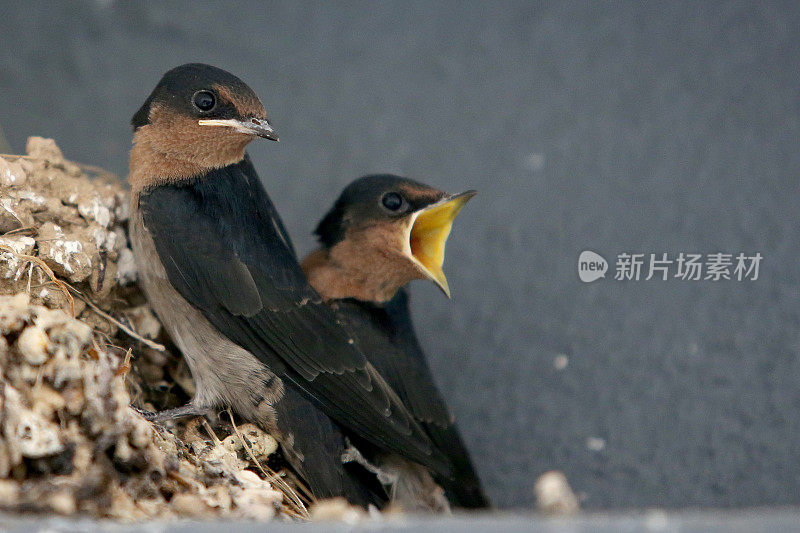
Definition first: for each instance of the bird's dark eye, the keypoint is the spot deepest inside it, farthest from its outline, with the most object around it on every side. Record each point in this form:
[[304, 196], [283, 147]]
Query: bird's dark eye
[[392, 201], [204, 100]]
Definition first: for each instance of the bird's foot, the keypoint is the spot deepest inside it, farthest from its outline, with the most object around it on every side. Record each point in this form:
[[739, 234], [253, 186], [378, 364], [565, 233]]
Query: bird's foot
[[159, 417]]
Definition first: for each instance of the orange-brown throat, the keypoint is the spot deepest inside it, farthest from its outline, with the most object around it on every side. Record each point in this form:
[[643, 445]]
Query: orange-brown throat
[[367, 265], [174, 147]]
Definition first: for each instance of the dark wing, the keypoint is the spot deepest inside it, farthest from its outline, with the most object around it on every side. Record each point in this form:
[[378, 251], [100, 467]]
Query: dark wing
[[387, 335], [225, 251], [315, 448]]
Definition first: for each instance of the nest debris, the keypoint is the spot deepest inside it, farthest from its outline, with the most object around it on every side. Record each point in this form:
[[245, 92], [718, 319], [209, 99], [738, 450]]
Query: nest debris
[[79, 345]]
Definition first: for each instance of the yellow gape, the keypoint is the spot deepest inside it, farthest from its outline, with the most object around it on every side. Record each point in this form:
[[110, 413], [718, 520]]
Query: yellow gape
[[428, 236]]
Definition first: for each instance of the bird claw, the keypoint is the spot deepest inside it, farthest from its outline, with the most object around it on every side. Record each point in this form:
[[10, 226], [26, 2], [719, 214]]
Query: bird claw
[[159, 417], [147, 415]]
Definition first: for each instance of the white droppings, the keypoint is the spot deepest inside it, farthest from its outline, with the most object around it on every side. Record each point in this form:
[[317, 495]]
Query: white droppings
[[66, 255], [95, 210], [105, 240], [11, 266], [63, 252], [126, 267]]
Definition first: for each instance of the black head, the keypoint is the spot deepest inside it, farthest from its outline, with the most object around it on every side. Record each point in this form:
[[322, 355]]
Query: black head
[[208, 94], [374, 199]]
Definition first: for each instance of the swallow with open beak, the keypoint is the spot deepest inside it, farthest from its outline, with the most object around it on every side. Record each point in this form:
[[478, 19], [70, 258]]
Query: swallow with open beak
[[383, 232], [220, 271]]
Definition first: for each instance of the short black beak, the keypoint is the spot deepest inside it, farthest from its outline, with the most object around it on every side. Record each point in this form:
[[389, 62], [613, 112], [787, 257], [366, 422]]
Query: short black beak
[[262, 128]]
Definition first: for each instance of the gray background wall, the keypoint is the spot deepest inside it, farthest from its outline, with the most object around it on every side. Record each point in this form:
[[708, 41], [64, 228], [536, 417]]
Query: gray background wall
[[632, 127]]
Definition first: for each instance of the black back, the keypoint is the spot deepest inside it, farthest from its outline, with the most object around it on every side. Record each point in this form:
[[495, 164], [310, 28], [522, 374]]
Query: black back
[[224, 250]]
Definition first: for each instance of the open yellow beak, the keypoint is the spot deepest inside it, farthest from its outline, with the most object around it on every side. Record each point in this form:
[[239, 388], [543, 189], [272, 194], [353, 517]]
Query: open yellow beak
[[428, 235]]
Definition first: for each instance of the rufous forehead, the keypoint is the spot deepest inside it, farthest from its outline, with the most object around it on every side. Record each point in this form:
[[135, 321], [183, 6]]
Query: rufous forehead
[[414, 192], [247, 105]]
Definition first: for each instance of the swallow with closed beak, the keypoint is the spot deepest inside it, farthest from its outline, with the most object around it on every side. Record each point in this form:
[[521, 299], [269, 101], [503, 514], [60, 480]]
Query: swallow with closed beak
[[220, 271]]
